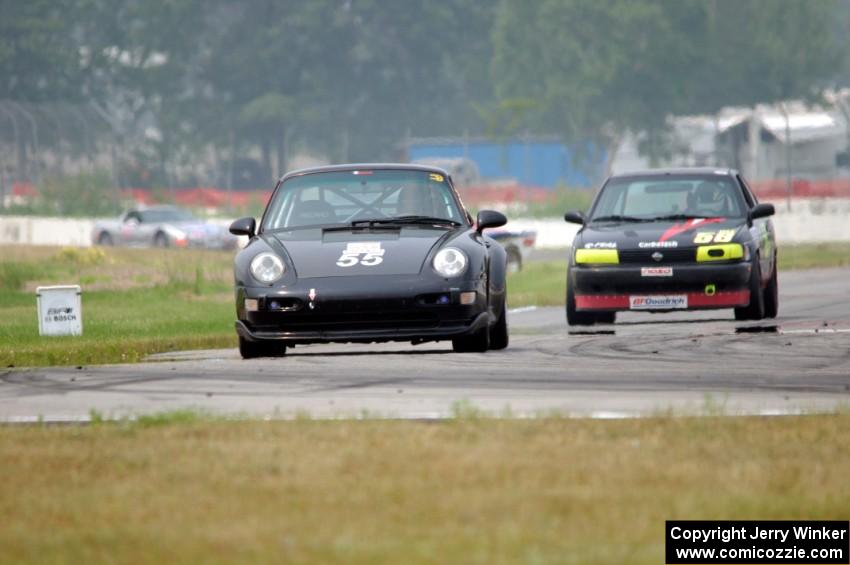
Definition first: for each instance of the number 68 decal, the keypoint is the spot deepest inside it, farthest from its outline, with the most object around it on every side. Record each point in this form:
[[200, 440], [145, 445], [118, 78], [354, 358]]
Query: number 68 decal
[[722, 236]]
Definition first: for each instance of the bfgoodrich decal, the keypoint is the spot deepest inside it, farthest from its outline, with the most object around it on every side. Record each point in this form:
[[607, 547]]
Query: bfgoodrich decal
[[658, 302]]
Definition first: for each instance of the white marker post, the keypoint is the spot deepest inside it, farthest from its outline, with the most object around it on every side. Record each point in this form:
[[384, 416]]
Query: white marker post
[[60, 310]]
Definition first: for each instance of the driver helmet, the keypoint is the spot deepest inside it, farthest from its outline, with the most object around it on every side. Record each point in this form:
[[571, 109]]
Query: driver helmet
[[708, 197]]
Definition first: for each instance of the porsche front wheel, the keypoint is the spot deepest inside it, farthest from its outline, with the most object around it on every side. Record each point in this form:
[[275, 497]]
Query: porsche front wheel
[[499, 331], [253, 349], [478, 342]]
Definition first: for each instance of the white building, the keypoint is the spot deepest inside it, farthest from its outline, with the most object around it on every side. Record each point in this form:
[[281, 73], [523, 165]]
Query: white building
[[761, 142]]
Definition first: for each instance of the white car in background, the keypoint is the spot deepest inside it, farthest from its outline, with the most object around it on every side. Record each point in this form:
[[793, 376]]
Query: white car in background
[[517, 243], [162, 226]]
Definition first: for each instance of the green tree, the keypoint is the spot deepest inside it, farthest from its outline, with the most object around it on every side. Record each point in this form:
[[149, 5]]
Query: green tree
[[600, 68], [39, 56], [357, 75]]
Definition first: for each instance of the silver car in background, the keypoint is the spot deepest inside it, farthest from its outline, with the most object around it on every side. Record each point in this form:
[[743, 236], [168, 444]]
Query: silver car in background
[[518, 245], [162, 226]]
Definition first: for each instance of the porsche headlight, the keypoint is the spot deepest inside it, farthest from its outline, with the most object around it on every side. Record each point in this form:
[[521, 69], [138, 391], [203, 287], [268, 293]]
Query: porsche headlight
[[267, 268], [450, 262]]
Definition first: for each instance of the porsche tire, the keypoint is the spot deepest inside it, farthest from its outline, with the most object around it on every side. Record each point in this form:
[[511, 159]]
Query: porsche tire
[[499, 331], [105, 240], [161, 240], [253, 349], [479, 342], [755, 310]]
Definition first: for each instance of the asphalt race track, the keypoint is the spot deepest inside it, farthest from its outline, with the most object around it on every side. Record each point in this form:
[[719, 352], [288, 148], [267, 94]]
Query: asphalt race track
[[645, 364]]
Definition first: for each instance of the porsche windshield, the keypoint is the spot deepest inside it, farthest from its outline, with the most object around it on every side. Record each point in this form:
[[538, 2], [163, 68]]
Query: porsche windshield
[[639, 199], [363, 196]]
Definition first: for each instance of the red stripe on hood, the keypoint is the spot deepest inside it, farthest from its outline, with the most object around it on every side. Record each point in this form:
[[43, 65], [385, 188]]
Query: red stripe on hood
[[678, 228]]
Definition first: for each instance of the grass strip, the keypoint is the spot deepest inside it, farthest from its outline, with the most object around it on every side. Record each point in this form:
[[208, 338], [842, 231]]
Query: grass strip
[[118, 327], [183, 489], [814, 255]]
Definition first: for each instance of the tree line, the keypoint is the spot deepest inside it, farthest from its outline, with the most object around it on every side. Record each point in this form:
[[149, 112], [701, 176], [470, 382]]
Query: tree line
[[169, 83]]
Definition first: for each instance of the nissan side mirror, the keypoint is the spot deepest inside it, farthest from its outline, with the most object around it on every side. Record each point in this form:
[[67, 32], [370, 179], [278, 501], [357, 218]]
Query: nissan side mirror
[[761, 211], [244, 226], [490, 219], [575, 217]]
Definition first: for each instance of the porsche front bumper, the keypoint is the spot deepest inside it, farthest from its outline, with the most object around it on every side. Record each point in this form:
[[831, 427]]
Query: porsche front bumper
[[346, 310]]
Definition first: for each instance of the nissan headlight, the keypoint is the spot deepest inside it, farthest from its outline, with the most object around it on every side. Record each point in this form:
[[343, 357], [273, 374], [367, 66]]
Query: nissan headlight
[[267, 268], [450, 262]]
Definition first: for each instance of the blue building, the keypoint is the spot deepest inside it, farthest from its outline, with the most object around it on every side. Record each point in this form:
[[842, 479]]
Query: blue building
[[540, 162]]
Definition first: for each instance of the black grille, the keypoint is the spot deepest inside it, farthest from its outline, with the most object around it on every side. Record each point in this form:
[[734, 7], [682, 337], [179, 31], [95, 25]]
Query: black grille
[[371, 321], [644, 256], [350, 315]]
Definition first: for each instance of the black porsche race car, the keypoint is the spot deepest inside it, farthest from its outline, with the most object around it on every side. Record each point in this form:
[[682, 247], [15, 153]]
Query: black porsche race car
[[369, 253], [668, 240]]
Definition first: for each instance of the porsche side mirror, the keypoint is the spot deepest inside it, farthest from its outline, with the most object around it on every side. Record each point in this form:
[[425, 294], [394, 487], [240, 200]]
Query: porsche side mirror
[[244, 226], [762, 211], [575, 217], [490, 219]]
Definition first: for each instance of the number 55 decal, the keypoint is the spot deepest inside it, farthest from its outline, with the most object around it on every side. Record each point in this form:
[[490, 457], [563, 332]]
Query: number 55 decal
[[372, 259], [722, 236], [347, 260], [367, 254]]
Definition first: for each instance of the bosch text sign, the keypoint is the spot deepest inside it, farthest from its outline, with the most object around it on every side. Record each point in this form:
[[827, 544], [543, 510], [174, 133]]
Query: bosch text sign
[[59, 310]]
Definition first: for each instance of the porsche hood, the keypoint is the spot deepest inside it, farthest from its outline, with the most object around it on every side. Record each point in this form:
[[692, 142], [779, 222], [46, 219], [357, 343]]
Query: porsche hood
[[355, 252]]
